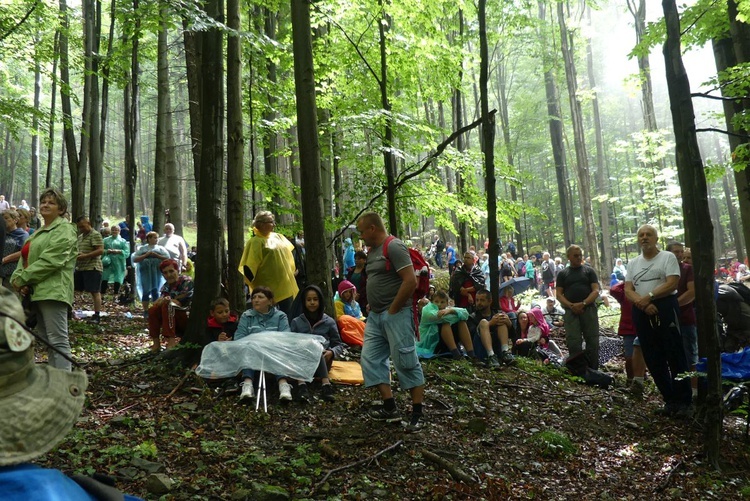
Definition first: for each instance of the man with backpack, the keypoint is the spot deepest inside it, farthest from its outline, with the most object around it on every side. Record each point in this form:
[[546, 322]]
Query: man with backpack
[[389, 331], [439, 248]]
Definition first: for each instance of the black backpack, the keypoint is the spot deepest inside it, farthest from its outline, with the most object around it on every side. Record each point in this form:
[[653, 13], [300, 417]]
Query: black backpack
[[439, 246], [742, 290]]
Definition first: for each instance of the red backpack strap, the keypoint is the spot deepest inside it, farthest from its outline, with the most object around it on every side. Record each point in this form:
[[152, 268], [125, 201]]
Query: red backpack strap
[[385, 252]]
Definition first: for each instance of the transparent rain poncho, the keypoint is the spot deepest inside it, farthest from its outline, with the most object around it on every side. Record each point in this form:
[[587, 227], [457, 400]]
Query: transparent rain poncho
[[282, 353]]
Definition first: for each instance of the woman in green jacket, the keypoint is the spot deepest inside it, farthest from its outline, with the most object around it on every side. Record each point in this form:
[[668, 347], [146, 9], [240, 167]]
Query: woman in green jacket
[[45, 273]]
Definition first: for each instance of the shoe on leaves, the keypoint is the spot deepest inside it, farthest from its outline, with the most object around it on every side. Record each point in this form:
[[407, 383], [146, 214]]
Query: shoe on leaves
[[285, 392], [492, 362], [303, 394], [247, 392], [381, 414], [326, 393], [507, 358]]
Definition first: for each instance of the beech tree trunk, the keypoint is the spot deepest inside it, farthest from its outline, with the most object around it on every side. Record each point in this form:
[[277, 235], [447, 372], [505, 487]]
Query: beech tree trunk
[[93, 139], [488, 148], [388, 161], [698, 222], [235, 161], [162, 116], [317, 255], [556, 137], [579, 136], [210, 188]]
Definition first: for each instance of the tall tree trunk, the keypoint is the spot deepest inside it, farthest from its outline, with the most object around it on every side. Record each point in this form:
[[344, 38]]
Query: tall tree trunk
[[77, 180], [193, 62], [210, 228], [94, 138], [35, 149], [638, 10], [488, 148], [235, 160], [600, 179], [52, 113], [458, 122], [317, 256], [698, 222], [734, 225], [270, 137], [579, 136], [385, 102], [502, 79], [556, 137], [132, 126], [106, 70], [162, 116]]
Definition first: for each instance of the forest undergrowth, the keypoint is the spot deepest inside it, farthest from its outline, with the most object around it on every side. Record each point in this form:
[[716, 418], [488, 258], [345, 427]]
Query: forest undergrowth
[[523, 432]]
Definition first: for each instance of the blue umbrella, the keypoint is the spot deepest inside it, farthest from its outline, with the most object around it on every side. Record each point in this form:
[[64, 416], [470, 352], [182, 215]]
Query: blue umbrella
[[519, 284]]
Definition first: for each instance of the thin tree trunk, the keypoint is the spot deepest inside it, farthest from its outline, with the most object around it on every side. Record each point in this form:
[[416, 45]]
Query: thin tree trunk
[[235, 209], [385, 102], [35, 149], [193, 61], [505, 126], [556, 137], [579, 135], [458, 122], [52, 113], [600, 179], [94, 138], [488, 148], [270, 137], [76, 198], [162, 116], [698, 221], [734, 224]]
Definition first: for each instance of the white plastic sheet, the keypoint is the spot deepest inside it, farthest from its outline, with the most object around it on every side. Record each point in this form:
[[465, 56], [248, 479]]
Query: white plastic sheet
[[282, 353]]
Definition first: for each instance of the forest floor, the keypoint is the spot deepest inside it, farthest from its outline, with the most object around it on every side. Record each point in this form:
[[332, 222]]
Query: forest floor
[[523, 432]]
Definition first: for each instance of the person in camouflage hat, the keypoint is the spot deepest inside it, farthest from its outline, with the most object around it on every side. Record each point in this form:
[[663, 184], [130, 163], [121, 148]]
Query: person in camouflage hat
[[39, 405]]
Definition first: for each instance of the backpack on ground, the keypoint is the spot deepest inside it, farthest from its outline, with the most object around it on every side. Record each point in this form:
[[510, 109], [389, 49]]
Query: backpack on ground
[[421, 269]]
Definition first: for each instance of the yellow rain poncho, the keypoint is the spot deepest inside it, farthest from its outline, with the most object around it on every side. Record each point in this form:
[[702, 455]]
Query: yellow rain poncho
[[271, 262]]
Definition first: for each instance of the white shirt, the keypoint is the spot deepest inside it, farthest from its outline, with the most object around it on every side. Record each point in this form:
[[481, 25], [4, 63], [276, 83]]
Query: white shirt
[[175, 245], [648, 274]]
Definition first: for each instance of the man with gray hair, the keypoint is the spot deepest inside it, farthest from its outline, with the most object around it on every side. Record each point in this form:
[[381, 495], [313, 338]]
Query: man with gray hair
[[651, 285]]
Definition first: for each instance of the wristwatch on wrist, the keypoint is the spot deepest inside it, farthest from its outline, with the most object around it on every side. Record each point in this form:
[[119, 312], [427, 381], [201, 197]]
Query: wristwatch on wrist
[[651, 295], [584, 302]]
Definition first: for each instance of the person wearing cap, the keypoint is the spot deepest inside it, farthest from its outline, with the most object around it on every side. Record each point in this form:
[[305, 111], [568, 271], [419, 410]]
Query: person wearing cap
[[268, 261], [44, 274], [345, 301], [38, 407]]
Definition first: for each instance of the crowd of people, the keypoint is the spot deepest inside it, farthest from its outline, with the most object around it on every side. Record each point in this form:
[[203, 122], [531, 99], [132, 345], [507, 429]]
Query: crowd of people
[[46, 259]]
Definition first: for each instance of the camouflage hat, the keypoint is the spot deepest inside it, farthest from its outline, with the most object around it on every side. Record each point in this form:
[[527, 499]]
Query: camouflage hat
[[38, 404]]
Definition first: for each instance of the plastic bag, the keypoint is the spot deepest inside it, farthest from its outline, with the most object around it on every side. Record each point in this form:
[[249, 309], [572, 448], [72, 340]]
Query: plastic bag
[[282, 353]]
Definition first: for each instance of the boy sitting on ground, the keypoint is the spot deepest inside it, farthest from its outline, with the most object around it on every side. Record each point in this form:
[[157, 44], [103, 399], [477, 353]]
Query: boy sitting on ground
[[439, 327], [222, 324], [489, 326]]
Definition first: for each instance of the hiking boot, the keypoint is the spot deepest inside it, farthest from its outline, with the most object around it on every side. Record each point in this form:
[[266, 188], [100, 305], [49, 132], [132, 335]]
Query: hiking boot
[[247, 392], [733, 399], [415, 425], [303, 394], [381, 414], [326, 393], [492, 362], [636, 389], [94, 319], [285, 392], [507, 358]]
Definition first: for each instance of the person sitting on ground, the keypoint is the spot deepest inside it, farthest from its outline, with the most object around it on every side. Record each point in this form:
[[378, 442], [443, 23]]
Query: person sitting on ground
[[531, 330], [619, 270], [315, 321], [263, 316], [553, 314], [222, 323], [345, 301], [508, 302], [167, 315], [358, 276], [439, 327], [465, 282], [742, 275], [490, 326]]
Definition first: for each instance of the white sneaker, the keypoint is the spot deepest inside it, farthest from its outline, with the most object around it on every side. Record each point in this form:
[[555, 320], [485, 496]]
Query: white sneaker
[[247, 391], [285, 392]]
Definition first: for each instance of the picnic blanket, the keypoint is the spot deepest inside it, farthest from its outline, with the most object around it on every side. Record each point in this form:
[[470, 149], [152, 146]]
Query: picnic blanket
[[283, 353], [734, 366]]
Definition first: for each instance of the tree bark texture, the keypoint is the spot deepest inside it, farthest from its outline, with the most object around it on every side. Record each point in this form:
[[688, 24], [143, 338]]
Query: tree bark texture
[[387, 143], [93, 139], [235, 161], [697, 220], [69, 138], [317, 256]]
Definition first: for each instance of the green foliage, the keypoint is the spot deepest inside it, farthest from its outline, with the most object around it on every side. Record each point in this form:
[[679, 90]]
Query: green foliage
[[552, 444]]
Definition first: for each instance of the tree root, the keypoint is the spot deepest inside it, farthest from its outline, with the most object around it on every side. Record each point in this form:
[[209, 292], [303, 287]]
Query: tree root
[[356, 463], [455, 472]]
